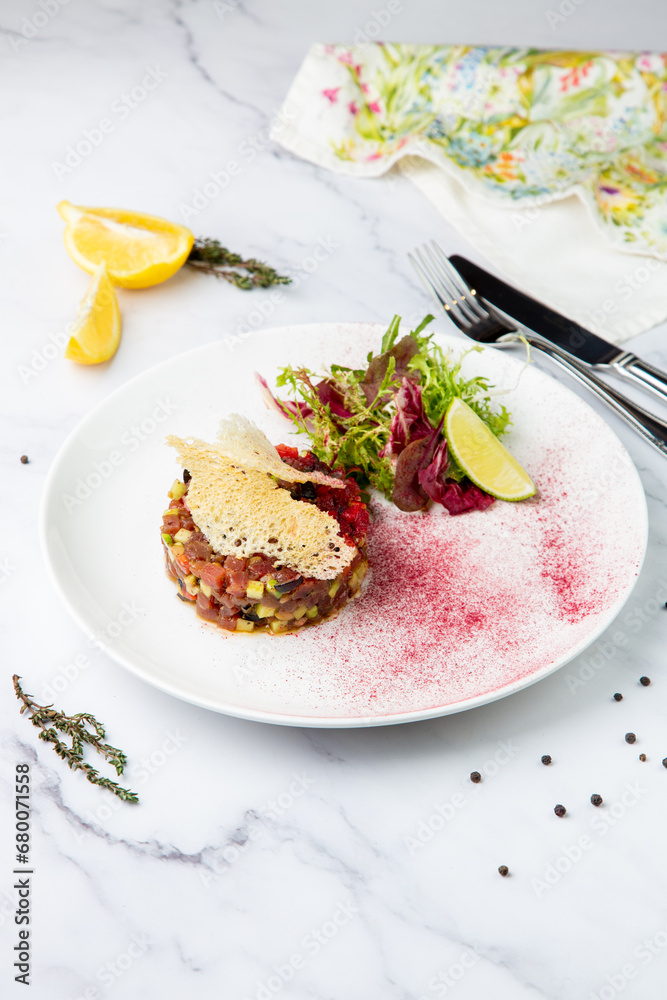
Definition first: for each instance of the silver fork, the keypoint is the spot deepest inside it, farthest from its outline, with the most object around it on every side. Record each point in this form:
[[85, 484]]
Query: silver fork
[[484, 324]]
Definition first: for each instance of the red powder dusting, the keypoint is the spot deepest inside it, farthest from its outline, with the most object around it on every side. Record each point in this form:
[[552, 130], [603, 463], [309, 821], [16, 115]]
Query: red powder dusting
[[457, 608], [460, 606]]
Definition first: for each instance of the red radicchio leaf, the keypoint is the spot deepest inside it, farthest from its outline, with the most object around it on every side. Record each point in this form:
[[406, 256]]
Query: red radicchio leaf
[[457, 498], [407, 493], [420, 475], [431, 476], [464, 496], [409, 422], [331, 397], [285, 407]]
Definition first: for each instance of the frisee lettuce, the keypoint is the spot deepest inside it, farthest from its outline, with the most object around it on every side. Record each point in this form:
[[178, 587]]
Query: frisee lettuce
[[358, 430]]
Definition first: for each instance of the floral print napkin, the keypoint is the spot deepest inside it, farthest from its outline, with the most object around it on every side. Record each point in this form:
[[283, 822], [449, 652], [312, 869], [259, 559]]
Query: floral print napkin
[[513, 125]]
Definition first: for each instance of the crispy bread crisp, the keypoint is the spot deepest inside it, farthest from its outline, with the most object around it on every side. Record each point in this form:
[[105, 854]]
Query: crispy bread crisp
[[242, 510], [243, 443]]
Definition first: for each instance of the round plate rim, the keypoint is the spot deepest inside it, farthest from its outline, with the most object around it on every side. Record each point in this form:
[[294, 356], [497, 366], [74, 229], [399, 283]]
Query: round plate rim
[[281, 718]]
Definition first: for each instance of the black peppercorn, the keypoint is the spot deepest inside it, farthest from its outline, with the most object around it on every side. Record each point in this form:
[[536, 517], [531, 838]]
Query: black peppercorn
[[630, 738], [618, 697], [645, 681], [24, 459], [664, 761], [560, 810], [476, 777], [596, 799], [504, 871], [642, 756], [546, 759]]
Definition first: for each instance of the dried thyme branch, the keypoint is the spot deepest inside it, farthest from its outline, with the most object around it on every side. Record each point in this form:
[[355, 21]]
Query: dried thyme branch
[[211, 257], [82, 729]]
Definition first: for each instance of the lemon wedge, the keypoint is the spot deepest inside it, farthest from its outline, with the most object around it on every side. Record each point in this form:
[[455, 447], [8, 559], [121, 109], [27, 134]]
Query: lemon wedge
[[96, 329], [485, 461], [139, 250]]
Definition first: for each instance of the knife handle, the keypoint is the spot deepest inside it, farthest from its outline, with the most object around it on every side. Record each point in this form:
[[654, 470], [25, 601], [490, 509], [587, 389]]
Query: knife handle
[[641, 373], [650, 427]]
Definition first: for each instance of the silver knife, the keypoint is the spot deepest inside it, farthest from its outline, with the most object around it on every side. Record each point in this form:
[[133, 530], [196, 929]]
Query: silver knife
[[565, 333]]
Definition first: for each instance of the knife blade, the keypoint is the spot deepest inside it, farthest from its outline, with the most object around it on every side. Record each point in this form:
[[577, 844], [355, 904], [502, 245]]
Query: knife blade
[[570, 336]]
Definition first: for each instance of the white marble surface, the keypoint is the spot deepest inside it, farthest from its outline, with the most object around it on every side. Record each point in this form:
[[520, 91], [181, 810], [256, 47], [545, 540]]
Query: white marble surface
[[266, 861]]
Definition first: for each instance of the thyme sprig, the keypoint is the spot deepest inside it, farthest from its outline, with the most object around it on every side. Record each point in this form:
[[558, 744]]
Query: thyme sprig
[[83, 729], [211, 257]]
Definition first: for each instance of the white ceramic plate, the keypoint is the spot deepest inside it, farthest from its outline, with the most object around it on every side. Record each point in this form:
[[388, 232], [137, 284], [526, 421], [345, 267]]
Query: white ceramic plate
[[458, 611]]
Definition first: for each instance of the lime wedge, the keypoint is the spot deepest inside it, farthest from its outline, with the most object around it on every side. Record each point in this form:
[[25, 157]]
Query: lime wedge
[[485, 461]]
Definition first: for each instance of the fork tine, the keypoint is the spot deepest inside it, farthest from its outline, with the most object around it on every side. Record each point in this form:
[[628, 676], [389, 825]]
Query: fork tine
[[438, 289], [426, 281], [442, 277], [459, 284]]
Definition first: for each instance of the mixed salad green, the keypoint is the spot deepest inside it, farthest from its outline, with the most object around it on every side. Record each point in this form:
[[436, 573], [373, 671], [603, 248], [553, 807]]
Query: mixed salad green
[[384, 423]]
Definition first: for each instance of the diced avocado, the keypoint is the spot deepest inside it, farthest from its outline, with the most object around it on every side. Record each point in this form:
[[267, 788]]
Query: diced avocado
[[205, 589], [244, 626], [177, 490], [191, 584], [278, 626], [301, 611], [312, 612], [172, 510], [167, 539], [182, 535], [271, 587], [177, 549], [255, 590], [262, 611], [333, 589]]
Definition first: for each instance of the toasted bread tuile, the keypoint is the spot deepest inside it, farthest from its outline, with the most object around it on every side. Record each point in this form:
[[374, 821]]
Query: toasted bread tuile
[[243, 443], [242, 511]]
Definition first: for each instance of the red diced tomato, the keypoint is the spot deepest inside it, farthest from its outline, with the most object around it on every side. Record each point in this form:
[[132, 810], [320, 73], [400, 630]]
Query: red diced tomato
[[183, 564]]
